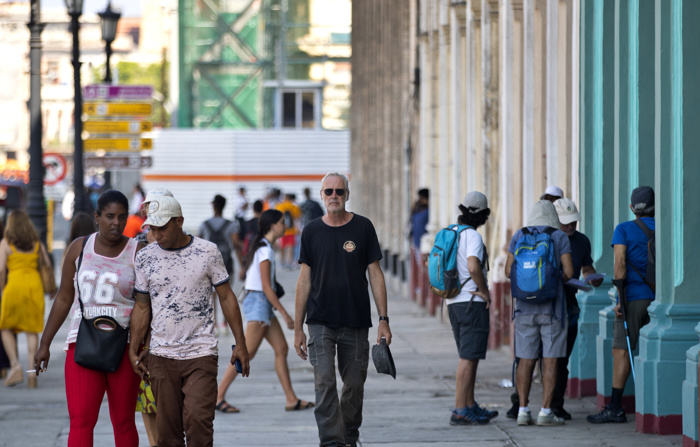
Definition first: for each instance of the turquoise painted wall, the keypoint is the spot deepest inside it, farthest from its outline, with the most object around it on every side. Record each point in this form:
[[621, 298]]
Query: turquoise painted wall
[[640, 65]]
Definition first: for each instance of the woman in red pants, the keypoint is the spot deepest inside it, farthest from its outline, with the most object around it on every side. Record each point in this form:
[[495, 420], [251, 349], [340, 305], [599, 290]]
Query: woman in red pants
[[105, 281]]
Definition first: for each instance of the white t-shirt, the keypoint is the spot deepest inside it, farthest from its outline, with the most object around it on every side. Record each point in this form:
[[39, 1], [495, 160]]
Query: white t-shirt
[[179, 283], [253, 280], [470, 244]]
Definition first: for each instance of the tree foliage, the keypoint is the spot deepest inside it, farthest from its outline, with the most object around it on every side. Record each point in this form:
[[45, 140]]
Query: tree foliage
[[157, 75]]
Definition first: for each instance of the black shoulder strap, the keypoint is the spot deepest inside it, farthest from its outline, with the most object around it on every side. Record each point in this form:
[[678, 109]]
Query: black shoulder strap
[[526, 230], [550, 230], [644, 278], [640, 223], [77, 271], [220, 231]]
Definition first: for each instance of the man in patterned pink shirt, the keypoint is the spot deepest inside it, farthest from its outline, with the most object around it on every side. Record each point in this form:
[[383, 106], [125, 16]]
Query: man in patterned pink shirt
[[174, 277]]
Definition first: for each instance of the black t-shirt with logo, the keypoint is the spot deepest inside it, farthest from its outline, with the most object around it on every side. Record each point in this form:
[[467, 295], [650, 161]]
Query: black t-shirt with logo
[[339, 257]]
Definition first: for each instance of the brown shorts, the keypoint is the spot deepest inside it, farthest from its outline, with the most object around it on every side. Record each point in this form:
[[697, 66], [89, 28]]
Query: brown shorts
[[637, 317]]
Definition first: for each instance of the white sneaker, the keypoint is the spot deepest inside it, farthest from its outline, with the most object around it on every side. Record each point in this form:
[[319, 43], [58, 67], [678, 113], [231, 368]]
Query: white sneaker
[[547, 419], [524, 418]]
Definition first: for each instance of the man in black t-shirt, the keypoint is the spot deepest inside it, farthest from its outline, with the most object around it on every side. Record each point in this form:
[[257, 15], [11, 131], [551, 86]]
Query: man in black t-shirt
[[583, 264], [337, 251]]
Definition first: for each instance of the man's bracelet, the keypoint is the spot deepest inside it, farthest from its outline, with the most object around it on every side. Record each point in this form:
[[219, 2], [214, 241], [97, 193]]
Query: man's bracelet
[[385, 318]]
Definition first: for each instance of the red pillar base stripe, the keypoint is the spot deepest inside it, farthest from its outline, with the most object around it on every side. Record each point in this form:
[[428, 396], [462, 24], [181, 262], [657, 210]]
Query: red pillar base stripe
[[661, 425], [578, 388], [689, 442]]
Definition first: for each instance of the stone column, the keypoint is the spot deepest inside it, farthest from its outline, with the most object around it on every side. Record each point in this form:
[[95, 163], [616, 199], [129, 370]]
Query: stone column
[[457, 76], [443, 161], [665, 341], [472, 124], [552, 116], [528, 76], [591, 361], [507, 96]]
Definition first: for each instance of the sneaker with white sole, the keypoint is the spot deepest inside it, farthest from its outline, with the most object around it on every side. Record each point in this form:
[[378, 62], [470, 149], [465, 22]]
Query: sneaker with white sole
[[544, 420], [524, 418]]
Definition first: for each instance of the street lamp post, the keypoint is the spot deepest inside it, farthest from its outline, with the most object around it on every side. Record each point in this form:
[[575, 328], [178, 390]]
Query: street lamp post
[[108, 20], [36, 207], [75, 10]]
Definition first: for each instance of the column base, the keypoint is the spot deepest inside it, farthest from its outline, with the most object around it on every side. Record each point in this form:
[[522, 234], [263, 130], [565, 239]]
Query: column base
[[661, 366], [660, 425], [578, 388], [690, 393], [583, 360], [689, 442]]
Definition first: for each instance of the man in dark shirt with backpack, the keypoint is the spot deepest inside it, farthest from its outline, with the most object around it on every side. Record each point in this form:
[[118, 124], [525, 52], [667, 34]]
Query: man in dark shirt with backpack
[[223, 232], [631, 244]]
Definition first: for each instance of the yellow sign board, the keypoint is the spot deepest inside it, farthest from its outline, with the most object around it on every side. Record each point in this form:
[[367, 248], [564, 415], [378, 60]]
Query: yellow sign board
[[117, 126], [117, 109], [118, 144]]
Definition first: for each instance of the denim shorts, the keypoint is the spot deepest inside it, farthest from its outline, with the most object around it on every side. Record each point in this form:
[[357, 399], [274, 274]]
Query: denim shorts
[[256, 307]]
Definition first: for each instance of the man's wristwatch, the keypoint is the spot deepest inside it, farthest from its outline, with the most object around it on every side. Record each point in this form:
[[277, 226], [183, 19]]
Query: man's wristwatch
[[385, 319]]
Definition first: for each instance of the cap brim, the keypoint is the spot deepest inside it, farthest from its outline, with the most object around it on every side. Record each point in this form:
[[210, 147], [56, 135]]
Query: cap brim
[[383, 361], [156, 221], [566, 220]]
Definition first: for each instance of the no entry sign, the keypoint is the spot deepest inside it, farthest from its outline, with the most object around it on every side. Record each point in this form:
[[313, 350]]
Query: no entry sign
[[55, 166]]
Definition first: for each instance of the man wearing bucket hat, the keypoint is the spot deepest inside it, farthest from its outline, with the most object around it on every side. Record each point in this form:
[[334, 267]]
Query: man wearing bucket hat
[[540, 328], [469, 310], [583, 265], [630, 245], [173, 284]]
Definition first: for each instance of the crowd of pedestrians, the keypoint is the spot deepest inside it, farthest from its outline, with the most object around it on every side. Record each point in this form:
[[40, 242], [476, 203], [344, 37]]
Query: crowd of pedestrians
[[137, 268]]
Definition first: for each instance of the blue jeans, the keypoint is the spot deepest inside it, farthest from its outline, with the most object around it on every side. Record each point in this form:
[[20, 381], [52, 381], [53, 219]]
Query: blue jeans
[[339, 421]]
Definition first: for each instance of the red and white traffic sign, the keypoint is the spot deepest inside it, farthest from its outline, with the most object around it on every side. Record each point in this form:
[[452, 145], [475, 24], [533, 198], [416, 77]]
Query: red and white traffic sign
[[55, 167]]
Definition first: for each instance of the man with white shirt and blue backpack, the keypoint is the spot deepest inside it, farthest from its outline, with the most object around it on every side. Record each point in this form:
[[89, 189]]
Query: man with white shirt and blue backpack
[[458, 265], [538, 264]]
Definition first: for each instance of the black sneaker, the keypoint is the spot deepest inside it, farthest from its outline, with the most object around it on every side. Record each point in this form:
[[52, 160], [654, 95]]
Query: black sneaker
[[513, 412], [562, 413], [480, 411], [608, 415], [468, 419]]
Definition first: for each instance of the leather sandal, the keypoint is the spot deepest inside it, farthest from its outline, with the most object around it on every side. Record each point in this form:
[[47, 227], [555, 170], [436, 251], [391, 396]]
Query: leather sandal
[[224, 407]]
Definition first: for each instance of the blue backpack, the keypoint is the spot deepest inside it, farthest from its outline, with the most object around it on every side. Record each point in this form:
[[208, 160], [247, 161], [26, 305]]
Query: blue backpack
[[442, 263], [534, 275]]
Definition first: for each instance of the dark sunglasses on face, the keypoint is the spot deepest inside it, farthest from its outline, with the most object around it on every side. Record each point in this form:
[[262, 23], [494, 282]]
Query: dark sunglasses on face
[[340, 192]]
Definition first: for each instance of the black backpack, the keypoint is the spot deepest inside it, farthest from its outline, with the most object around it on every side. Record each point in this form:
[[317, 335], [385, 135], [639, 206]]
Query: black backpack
[[650, 276], [219, 238]]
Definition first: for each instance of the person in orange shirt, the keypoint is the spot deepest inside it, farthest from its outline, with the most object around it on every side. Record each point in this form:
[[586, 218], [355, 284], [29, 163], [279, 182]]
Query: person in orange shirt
[[133, 224], [292, 216]]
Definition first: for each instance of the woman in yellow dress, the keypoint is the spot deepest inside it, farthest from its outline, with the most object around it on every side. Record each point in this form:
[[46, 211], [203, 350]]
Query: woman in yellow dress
[[22, 302]]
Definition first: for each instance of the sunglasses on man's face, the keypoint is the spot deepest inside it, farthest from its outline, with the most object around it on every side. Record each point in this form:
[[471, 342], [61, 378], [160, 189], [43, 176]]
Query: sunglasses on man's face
[[340, 192]]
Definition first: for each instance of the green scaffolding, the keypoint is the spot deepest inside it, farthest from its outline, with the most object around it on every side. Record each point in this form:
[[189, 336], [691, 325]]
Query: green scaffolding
[[228, 49]]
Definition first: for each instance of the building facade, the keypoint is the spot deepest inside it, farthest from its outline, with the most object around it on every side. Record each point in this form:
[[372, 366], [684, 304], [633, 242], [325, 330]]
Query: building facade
[[509, 96]]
